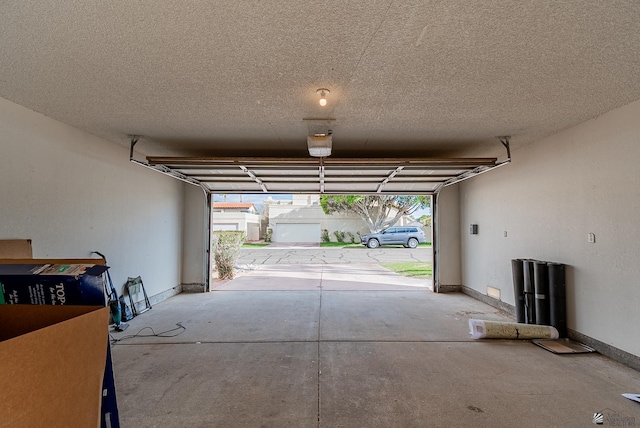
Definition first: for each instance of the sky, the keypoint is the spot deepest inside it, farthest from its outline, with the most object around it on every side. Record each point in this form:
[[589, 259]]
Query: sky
[[422, 211]]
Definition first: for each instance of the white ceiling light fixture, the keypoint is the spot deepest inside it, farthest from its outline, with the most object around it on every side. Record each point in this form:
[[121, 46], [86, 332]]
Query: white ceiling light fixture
[[323, 96], [319, 145]]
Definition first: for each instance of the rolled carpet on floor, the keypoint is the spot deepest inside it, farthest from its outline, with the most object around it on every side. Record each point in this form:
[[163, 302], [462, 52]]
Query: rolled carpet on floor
[[481, 329]]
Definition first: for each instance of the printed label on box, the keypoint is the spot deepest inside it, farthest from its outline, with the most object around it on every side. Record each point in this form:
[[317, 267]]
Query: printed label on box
[[59, 269]]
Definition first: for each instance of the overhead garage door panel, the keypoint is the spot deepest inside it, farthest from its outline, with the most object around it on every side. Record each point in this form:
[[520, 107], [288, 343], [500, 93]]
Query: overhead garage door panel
[[321, 175], [297, 232], [233, 187]]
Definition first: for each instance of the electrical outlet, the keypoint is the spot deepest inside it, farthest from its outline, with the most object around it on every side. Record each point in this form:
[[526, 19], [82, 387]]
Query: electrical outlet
[[591, 238]]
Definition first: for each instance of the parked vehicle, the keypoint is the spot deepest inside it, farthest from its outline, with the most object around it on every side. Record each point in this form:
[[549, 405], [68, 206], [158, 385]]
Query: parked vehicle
[[408, 236]]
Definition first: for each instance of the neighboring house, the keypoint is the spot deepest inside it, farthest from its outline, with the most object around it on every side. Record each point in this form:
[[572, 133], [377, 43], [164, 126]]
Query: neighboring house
[[302, 219], [416, 223], [236, 216]]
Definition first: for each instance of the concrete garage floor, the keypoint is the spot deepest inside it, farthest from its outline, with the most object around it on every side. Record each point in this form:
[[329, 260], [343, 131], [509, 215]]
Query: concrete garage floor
[[349, 346]]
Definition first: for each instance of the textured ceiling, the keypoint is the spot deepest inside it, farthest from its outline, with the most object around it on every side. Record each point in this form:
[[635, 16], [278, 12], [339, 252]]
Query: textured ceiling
[[407, 79]]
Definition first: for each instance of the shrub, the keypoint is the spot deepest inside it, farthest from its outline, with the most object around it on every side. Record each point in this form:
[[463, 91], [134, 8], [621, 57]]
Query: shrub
[[352, 237], [268, 234], [339, 235], [226, 249], [325, 236]]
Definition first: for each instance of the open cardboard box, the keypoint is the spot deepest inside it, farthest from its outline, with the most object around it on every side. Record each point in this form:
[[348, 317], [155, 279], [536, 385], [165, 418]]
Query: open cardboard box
[[52, 362], [91, 293], [16, 248]]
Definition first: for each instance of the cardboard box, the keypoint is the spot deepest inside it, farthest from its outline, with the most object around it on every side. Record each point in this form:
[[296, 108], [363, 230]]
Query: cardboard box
[[52, 365], [52, 284], [29, 260], [16, 248], [91, 293]]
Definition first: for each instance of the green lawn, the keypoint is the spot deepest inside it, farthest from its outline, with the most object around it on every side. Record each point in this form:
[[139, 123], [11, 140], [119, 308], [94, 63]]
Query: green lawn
[[254, 245], [343, 245], [411, 269], [338, 244]]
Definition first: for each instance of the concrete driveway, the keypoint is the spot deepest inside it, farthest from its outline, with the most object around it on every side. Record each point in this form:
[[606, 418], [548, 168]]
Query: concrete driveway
[[306, 254]]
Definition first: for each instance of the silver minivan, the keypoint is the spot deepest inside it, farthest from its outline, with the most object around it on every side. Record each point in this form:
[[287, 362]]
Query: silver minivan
[[409, 236]]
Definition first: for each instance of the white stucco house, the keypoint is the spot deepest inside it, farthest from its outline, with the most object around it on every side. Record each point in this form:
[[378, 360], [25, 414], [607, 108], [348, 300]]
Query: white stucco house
[[236, 216], [302, 219]]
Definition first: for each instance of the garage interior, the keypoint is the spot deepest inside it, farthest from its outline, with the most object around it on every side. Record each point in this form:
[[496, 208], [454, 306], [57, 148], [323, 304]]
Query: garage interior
[[115, 117]]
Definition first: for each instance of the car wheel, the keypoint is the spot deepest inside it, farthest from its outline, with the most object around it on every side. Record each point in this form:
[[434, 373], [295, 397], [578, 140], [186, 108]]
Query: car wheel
[[412, 243], [373, 243]]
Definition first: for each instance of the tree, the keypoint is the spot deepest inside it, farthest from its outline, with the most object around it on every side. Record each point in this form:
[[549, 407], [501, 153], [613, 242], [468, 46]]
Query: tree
[[425, 220], [377, 211]]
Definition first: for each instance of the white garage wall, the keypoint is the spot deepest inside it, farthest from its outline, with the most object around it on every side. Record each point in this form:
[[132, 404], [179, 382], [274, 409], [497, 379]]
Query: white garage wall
[[556, 191], [72, 193], [195, 240], [448, 238]]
